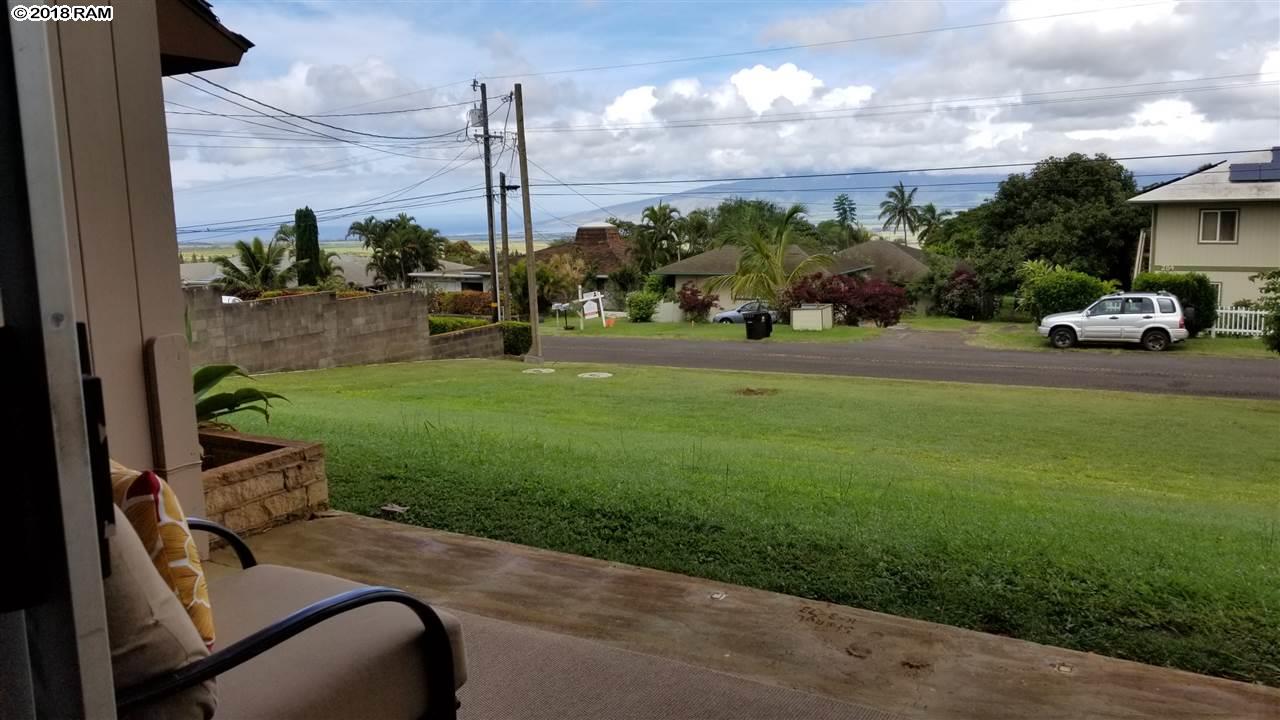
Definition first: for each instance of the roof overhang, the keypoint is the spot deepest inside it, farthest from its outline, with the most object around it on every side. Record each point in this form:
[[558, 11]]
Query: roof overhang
[[192, 39]]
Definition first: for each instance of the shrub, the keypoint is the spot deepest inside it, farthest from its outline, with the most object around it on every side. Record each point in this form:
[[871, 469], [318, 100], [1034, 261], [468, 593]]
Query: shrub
[[517, 337], [344, 294], [841, 291], [695, 304], [962, 297], [1058, 290], [881, 302], [440, 325], [466, 302], [1193, 289], [1270, 303], [642, 305], [656, 284]]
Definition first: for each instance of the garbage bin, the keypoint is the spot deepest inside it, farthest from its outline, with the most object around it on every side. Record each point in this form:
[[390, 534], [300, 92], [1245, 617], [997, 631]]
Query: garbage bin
[[768, 323], [757, 324]]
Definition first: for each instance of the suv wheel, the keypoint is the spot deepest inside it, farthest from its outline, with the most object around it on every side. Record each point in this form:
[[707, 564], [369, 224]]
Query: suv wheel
[[1062, 338], [725, 321], [1155, 340]]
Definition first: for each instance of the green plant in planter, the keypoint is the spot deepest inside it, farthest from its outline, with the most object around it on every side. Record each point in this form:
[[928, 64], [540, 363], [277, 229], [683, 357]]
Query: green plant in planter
[[211, 409]]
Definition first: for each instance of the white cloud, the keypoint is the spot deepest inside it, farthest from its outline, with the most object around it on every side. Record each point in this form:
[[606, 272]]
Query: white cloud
[[633, 106], [760, 86], [1172, 122]]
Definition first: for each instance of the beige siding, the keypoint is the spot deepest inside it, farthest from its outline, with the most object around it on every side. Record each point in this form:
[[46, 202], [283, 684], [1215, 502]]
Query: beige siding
[[1176, 245], [123, 248], [726, 301]]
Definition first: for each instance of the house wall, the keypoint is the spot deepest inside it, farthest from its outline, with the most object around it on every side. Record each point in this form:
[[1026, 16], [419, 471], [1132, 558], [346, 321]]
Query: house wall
[[1176, 245], [307, 332], [119, 215], [726, 301]]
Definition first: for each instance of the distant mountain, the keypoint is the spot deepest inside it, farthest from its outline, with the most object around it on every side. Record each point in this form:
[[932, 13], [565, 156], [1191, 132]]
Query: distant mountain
[[948, 192]]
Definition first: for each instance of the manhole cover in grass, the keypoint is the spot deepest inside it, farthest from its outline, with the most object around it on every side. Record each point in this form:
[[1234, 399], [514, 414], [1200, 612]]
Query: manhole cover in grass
[[595, 375], [756, 392], [539, 371]]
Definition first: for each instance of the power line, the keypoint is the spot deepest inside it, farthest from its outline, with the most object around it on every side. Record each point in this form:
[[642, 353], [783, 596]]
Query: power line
[[304, 118], [208, 227], [829, 43], [401, 95], [584, 197], [295, 125], [246, 229], [868, 111], [854, 173], [196, 111]]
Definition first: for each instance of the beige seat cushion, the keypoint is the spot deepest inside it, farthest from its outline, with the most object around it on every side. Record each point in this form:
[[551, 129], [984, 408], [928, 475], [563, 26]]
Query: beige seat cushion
[[149, 631], [363, 663]]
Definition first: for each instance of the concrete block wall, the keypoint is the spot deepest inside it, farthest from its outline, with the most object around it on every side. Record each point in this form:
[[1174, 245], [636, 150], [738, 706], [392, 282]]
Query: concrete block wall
[[480, 342], [306, 332]]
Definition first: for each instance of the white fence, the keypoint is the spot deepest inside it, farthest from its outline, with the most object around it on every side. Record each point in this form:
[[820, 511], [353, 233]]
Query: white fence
[[1232, 321]]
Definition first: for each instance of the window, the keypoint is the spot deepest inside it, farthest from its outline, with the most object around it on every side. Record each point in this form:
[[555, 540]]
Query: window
[[1166, 305], [1110, 306], [1218, 226], [1138, 306], [1217, 287]]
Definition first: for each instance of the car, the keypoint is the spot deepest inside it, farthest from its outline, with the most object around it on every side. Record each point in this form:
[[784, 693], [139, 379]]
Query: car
[[735, 315], [1154, 320]]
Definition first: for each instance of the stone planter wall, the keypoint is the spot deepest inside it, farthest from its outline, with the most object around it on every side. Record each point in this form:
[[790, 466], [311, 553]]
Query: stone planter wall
[[254, 483]]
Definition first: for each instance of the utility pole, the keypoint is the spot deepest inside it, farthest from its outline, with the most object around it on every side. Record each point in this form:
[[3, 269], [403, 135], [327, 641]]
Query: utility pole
[[531, 271], [505, 297], [488, 194]]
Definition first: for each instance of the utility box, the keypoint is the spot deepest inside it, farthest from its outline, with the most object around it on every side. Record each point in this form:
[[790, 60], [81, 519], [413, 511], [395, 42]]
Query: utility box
[[813, 316]]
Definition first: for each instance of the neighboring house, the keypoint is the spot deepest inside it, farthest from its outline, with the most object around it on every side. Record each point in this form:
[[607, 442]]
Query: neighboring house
[[886, 260], [1223, 221], [700, 269], [598, 244], [198, 274], [452, 277]]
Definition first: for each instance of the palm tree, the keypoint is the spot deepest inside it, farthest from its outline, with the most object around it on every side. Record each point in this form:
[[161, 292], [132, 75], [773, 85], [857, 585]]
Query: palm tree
[[762, 265], [656, 239], [258, 268], [930, 220], [400, 246], [694, 231], [899, 210]]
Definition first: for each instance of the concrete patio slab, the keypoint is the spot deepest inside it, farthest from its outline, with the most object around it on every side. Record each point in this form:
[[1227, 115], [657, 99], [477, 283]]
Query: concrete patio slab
[[913, 668]]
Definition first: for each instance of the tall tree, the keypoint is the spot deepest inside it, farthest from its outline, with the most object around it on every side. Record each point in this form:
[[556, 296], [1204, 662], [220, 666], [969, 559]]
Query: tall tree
[[930, 221], [1071, 211], [654, 242], [898, 210], [846, 211], [306, 247], [762, 271], [256, 268], [695, 232], [399, 246]]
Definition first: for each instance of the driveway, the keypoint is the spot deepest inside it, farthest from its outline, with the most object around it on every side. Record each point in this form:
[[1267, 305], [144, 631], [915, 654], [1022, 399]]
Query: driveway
[[924, 355]]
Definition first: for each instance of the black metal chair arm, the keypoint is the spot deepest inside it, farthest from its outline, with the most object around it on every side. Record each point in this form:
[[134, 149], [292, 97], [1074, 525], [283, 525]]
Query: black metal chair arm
[[242, 551], [437, 651]]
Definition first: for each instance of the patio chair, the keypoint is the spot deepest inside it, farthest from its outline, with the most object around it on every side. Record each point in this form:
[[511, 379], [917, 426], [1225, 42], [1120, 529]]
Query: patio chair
[[299, 644]]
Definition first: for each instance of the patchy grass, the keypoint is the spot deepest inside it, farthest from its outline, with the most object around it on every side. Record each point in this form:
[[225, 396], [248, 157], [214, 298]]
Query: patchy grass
[[1006, 336], [971, 505], [937, 322], [707, 331]]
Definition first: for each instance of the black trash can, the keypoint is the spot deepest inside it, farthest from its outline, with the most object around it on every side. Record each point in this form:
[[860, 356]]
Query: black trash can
[[757, 324], [768, 323]]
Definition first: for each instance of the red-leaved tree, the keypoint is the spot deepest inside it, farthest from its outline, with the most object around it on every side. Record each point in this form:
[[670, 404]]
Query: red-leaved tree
[[695, 304]]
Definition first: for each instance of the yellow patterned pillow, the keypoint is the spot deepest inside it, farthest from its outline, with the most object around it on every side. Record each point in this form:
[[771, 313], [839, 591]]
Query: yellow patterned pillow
[[154, 512]]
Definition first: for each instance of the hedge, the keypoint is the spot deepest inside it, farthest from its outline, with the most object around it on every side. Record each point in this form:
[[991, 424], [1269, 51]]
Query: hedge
[[465, 302], [440, 325], [1060, 290], [1194, 291], [642, 305], [517, 337]]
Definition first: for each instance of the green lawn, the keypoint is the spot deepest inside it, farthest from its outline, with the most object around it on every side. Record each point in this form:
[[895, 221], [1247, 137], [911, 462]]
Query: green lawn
[[1010, 336], [1032, 513], [706, 331]]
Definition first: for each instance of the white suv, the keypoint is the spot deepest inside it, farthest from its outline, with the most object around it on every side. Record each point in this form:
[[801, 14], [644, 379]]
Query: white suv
[[1153, 319]]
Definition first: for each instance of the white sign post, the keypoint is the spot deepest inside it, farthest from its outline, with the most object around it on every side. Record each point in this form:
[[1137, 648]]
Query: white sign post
[[593, 306]]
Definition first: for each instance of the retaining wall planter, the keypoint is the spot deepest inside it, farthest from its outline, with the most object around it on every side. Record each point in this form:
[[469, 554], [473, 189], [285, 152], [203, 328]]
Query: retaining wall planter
[[254, 483]]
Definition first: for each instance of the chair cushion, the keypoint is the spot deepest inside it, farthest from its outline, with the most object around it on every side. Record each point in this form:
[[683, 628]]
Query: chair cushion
[[148, 629], [363, 663], [153, 510]]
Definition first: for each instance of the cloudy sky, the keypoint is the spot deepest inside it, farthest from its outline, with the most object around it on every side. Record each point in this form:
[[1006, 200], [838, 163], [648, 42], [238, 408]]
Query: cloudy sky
[[680, 90]]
